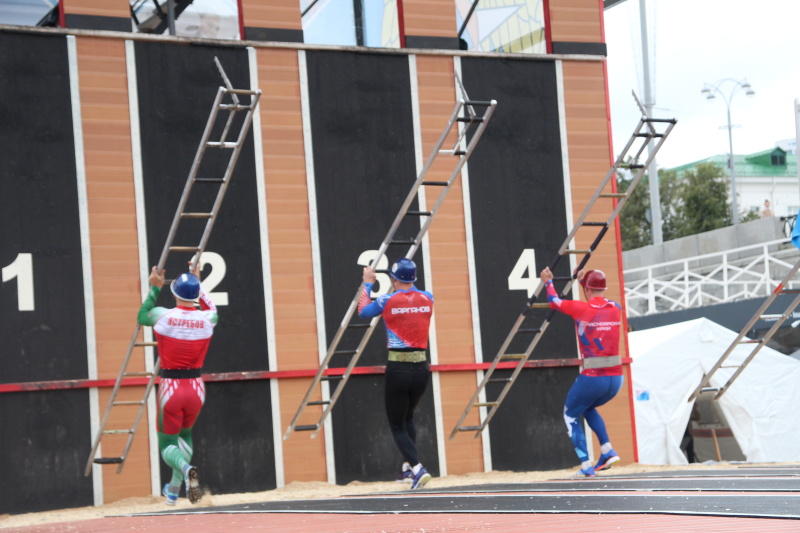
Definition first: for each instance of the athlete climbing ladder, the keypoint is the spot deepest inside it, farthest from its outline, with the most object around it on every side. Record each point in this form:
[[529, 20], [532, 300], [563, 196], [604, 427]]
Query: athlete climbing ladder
[[535, 317], [227, 113], [469, 119]]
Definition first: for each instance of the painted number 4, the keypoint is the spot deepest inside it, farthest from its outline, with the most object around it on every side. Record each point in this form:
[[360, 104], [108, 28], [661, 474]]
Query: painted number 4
[[518, 280], [21, 270]]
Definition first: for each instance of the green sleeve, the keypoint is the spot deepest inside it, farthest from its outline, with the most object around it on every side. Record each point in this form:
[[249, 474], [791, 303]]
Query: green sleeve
[[144, 317]]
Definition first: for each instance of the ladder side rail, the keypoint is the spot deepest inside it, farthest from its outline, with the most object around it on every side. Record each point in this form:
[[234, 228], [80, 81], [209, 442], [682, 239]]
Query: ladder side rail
[[323, 366], [453, 175], [190, 180], [611, 172], [110, 404], [745, 329], [140, 412], [651, 157], [763, 342], [224, 186], [486, 377], [732, 346], [346, 375]]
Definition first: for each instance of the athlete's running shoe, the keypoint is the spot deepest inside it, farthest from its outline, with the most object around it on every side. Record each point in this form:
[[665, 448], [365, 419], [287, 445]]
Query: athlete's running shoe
[[169, 497], [406, 476], [585, 472], [606, 460], [420, 479], [193, 489]]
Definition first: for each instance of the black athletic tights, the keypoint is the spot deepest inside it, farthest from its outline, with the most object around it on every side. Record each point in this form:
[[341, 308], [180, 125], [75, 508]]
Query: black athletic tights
[[405, 385]]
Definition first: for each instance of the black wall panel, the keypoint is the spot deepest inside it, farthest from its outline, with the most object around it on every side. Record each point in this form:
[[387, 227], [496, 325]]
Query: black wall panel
[[364, 167], [176, 87], [518, 202], [44, 437], [44, 444]]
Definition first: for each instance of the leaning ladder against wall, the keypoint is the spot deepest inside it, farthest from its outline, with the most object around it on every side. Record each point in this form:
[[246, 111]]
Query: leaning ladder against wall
[[227, 100], [535, 317], [473, 115]]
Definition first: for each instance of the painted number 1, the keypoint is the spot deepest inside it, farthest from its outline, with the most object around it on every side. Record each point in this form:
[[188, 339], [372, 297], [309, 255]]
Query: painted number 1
[[22, 270]]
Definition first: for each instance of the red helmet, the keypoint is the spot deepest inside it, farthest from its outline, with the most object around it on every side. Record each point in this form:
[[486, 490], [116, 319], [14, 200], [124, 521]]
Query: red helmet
[[594, 279]]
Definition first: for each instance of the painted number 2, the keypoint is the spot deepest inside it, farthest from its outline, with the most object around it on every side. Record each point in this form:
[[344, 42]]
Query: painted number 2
[[21, 270], [517, 280], [218, 269]]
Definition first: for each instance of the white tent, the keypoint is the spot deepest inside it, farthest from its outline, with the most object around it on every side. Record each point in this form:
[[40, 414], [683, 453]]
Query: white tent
[[762, 406]]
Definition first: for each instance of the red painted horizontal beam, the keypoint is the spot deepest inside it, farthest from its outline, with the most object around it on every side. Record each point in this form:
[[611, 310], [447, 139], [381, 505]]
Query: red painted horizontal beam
[[275, 374]]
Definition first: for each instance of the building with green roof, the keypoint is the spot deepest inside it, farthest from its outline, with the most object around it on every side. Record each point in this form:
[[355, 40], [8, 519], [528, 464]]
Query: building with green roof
[[769, 175]]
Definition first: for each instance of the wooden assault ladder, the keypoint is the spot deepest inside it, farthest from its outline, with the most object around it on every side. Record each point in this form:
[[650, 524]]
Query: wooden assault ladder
[[535, 317], [469, 117], [227, 100], [761, 313]]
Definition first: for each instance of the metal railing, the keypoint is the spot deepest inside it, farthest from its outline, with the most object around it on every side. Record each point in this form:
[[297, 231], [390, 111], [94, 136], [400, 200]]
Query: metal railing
[[738, 274]]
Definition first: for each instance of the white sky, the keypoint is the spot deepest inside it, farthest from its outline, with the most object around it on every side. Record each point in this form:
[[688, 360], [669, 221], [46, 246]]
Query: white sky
[[705, 41]]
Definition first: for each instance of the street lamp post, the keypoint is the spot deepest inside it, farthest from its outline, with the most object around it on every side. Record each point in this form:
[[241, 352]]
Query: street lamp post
[[709, 90]]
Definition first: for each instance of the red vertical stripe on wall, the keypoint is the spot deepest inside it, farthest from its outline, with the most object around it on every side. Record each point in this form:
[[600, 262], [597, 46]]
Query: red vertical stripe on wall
[[61, 14], [548, 35], [401, 23], [241, 20]]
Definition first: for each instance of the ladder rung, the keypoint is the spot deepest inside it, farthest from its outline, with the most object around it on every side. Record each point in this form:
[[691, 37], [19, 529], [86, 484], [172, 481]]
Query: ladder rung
[[562, 278], [117, 431], [470, 119], [184, 249], [321, 402], [484, 404], [107, 460], [403, 241], [633, 166], [345, 352], [752, 341], [771, 316], [613, 195], [710, 389], [436, 183], [213, 144], [419, 213], [332, 377], [312, 427], [577, 251], [145, 344], [731, 366], [789, 291], [470, 428], [513, 356], [459, 152], [650, 135], [667, 120], [359, 326], [602, 224], [128, 403], [233, 107], [529, 330], [138, 374], [499, 380], [485, 103], [539, 305], [197, 215], [209, 180]]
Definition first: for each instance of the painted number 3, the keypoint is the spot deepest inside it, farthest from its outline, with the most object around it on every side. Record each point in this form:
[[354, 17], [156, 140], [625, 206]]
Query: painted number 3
[[21, 270]]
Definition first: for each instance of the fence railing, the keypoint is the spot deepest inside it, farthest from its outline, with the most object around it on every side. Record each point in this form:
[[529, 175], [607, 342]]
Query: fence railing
[[738, 274]]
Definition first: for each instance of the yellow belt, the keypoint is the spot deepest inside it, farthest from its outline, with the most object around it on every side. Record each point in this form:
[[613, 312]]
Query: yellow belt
[[407, 357]]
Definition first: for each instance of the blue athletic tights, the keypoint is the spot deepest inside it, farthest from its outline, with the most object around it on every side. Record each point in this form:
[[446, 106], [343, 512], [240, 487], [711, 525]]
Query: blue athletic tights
[[584, 397]]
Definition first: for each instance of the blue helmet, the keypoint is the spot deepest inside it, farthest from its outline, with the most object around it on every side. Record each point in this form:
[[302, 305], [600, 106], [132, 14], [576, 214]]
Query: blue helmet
[[186, 287], [404, 270]]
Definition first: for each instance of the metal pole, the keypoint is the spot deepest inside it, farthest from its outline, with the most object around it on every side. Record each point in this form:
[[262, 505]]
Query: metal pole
[[171, 16], [652, 170], [732, 165]]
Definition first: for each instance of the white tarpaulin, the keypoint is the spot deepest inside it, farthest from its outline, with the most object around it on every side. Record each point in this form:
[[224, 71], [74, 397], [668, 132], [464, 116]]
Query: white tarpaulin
[[762, 406]]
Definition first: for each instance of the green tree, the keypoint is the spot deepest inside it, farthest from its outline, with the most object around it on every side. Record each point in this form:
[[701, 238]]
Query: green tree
[[635, 219], [704, 200]]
